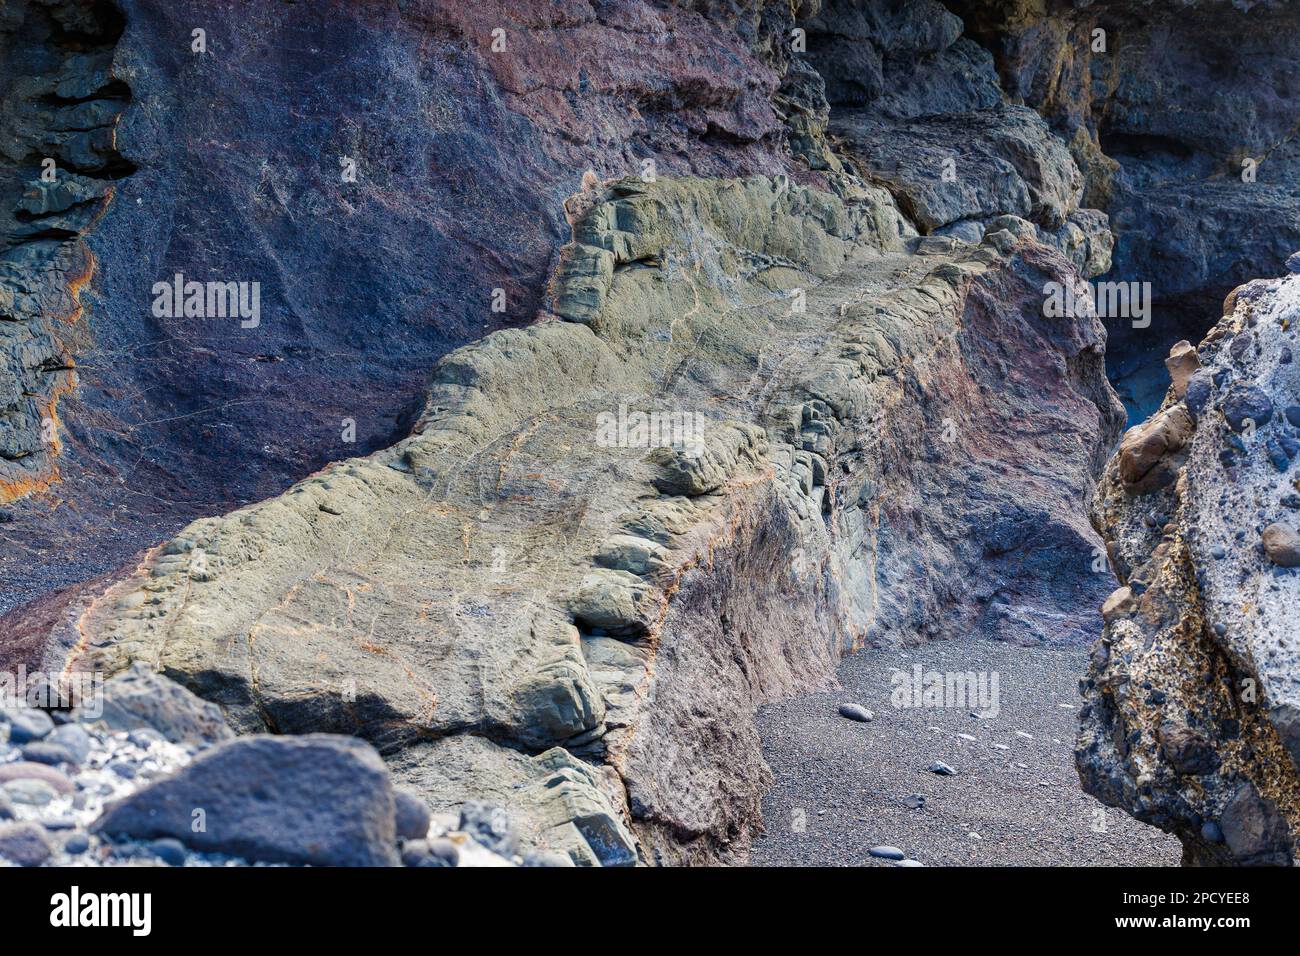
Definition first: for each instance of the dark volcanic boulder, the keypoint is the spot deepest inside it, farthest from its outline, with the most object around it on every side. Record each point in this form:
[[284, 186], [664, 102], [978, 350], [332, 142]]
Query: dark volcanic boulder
[[320, 799]]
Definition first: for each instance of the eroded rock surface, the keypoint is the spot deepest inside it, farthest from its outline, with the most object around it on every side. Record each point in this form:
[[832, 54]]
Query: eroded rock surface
[[520, 604], [1194, 688], [790, 392]]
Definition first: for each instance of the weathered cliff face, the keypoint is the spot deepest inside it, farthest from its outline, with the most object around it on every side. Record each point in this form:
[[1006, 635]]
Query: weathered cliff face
[[1194, 689], [236, 164], [536, 595], [1162, 110], [58, 166], [512, 604]]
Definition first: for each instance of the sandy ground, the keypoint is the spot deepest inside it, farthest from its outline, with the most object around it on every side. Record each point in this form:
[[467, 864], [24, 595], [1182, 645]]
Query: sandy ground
[[1014, 800]]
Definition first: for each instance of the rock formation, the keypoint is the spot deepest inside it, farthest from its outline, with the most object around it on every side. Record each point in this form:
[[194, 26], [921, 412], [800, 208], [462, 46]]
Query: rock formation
[[1191, 722], [616, 367]]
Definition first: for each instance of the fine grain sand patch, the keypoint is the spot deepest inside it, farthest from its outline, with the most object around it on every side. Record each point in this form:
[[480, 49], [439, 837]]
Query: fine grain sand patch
[[840, 785]]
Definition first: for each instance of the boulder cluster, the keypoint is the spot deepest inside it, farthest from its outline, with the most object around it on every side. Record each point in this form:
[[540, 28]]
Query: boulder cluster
[[150, 775]]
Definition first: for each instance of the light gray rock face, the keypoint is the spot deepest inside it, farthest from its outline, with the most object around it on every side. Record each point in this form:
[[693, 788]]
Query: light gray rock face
[[317, 799], [763, 425], [1194, 688]]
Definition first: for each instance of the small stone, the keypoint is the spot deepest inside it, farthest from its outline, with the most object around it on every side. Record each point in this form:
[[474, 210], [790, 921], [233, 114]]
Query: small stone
[[412, 815], [1293, 262], [170, 850], [27, 770], [424, 853], [548, 858], [1292, 413], [1282, 545], [123, 768], [914, 801], [77, 843], [1211, 832], [32, 793], [1220, 629], [855, 712], [443, 849], [6, 807], [941, 768], [906, 862], [27, 724], [75, 739], [42, 751], [24, 843], [887, 853], [1218, 553], [145, 737]]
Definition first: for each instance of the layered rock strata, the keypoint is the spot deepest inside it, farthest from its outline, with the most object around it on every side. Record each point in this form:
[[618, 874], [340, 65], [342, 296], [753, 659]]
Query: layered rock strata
[[759, 424], [58, 165]]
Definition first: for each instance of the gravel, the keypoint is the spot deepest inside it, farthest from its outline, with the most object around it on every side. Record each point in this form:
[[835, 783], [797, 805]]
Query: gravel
[[842, 787]]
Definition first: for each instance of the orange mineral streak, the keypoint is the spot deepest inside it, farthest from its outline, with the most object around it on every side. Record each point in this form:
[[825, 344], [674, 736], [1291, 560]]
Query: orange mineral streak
[[77, 281], [13, 488], [108, 596]]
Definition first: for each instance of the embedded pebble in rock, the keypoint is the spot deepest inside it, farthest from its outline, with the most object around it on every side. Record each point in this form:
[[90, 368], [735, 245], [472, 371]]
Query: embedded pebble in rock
[[915, 801], [24, 844], [908, 863], [1247, 403], [887, 853], [77, 843], [941, 768], [856, 712], [1282, 544]]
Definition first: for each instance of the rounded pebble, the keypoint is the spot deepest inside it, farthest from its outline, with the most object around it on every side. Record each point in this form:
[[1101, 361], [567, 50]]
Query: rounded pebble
[[887, 853]]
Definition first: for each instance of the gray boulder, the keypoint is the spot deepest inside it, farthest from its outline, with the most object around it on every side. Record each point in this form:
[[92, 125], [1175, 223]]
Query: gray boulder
[[320, 799], [26, 724], [24, 844], [139, 697]]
